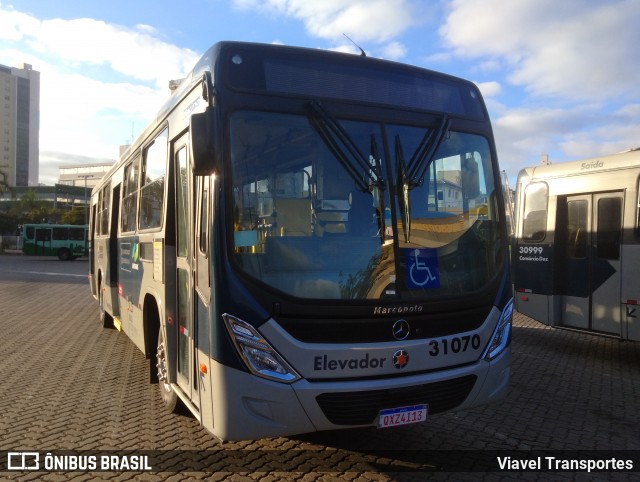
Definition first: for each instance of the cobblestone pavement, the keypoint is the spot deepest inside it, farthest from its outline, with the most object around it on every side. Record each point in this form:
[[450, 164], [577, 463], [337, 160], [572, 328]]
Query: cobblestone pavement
[[68, 384]]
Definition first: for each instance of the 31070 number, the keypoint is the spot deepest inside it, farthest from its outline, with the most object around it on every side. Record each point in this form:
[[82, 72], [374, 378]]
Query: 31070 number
[[456, 344]]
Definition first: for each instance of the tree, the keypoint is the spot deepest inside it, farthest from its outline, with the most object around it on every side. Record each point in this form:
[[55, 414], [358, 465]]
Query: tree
[[4, 184], [33, 210], [73, 216]]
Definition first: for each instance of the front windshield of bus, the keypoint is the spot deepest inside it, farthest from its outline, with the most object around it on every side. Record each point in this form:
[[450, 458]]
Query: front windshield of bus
[[319, 210]]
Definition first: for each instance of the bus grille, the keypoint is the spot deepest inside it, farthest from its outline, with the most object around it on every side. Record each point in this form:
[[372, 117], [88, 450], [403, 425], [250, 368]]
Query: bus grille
[[361, 408], [329, 329]]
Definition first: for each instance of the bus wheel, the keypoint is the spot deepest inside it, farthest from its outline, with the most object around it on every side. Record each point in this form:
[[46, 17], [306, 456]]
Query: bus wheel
[[64, 254], [105, 318], [168, 395]]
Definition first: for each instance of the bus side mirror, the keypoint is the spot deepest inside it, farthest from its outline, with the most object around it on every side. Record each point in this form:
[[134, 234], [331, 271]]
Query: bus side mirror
[[205, 148]]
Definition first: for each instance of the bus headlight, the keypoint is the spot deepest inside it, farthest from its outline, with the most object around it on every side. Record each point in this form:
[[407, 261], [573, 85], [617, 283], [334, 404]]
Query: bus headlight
[[259, 357], [502, 334]]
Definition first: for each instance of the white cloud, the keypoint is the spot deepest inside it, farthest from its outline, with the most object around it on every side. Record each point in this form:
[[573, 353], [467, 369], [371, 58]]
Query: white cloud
[[631, 111], [347, 48], [437, 58], [576, 59], [522, 134], [98, 82], [618, 133], [394, 51], [76, 110], [489, 89], [574, 48], [137, 53], [487, 66], [377, 21], [50, 162], [523, 121]]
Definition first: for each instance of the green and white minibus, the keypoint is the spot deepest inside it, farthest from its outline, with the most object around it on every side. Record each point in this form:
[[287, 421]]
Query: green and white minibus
[[66, 241]]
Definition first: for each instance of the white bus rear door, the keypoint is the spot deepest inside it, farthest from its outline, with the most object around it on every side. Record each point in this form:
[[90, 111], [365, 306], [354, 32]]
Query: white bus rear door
[[591, 295]]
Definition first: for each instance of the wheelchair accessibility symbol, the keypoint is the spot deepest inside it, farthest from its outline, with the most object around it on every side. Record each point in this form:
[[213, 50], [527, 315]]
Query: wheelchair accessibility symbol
[[422, 268]]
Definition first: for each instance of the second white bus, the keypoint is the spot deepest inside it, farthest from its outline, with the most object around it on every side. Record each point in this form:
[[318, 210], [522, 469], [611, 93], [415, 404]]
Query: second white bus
[[577, 244]]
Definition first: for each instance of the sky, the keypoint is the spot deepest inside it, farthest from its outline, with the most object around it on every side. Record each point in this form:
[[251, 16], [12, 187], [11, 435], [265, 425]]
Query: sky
[[559, 77]]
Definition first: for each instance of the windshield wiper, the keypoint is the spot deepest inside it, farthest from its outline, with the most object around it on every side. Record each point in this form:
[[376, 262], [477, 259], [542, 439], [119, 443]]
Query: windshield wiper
[[412, 175], [402, 190], [377, 188], [423, 156], [345, 149]]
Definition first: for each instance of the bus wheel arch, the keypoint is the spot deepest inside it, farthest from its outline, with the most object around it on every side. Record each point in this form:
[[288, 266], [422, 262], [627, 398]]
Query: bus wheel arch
[[156, 348], [64, 254], [167, 393]]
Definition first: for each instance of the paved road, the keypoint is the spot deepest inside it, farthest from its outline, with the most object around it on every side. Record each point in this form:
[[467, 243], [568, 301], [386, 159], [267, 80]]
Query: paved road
[[68, 384]]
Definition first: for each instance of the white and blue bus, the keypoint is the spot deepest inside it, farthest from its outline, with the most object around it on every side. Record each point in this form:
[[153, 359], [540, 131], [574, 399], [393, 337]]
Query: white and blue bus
[[577, 244], [306, 240]]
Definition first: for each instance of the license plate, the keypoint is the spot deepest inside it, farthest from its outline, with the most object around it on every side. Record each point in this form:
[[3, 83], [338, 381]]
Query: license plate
[[393, 417]]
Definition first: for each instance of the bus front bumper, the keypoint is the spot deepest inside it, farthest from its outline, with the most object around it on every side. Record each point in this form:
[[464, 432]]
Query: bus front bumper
[[251, 408]]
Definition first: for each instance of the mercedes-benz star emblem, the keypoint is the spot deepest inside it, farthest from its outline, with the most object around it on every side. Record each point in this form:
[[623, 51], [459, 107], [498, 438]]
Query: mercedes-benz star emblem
[[401, 329]]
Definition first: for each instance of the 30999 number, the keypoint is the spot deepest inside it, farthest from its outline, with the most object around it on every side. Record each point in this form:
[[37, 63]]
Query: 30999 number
[[456, 344], [530, 250]]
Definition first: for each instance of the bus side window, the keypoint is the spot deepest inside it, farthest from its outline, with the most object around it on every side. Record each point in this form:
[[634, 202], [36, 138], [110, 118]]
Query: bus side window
[[534, 227], [203, 280], [98, 210], [204, 217], [76, 234], [152, 189], [129, 197], [609, 228], [61, 234], [105, 198], [577, 228]]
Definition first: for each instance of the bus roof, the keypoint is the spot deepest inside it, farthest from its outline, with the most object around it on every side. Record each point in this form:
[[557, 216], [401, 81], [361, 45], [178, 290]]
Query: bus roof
[[621, 160]]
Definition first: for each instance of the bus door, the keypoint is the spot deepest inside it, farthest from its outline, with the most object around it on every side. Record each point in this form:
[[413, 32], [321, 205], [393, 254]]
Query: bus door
[[185, 311], [92, 248], [43, 241], [592, 265], [114, 256]]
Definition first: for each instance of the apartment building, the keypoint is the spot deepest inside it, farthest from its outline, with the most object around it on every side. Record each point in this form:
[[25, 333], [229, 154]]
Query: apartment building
[[19, 125]]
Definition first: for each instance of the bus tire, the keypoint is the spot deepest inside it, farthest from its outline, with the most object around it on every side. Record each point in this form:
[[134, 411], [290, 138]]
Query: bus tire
[[169, 397], [64, 254], [106, 320]]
